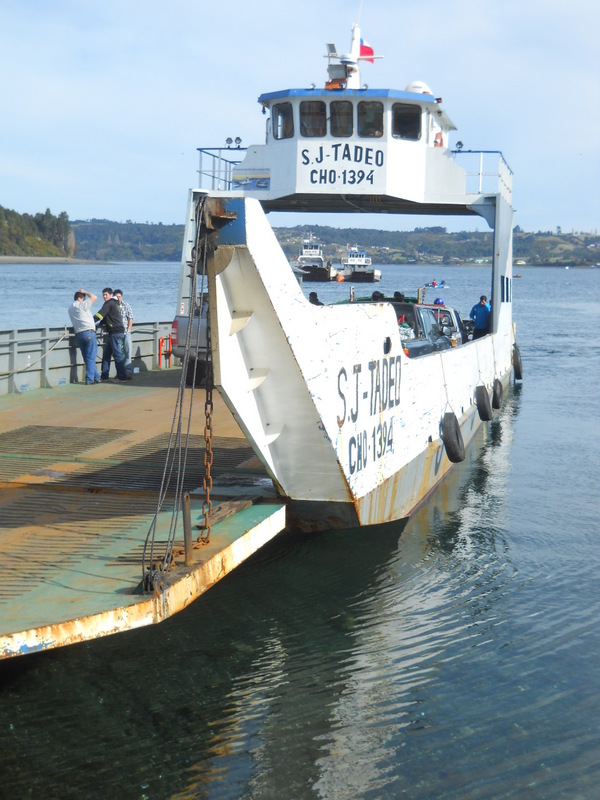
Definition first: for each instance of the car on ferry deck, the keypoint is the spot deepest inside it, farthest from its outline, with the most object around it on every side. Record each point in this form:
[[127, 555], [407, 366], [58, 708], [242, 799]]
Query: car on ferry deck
[[450, 322], [419, 329]]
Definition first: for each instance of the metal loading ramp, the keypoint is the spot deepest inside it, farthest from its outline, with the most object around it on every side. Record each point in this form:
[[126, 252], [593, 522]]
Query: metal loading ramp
[[76, 504]]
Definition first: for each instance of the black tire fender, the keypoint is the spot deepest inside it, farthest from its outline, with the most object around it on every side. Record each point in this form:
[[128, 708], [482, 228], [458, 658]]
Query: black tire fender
[[452, 438], [484, 407], [517, 365], [497, 394]]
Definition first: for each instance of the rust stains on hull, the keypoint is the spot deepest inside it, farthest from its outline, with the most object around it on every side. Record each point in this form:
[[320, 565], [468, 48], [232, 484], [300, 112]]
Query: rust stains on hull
[[234, 540]]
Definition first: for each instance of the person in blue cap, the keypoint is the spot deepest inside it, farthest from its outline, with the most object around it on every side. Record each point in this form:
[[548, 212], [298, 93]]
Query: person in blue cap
[[480, 314]]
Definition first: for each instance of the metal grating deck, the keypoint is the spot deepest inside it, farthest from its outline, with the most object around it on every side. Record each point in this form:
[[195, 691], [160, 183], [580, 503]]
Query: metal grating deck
[[77, 502]]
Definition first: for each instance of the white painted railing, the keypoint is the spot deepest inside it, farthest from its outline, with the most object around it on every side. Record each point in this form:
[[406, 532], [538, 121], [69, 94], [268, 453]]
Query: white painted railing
[[487, 172]]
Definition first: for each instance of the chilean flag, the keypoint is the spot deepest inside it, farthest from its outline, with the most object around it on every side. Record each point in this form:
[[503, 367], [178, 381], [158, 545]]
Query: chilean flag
[[366, 51]]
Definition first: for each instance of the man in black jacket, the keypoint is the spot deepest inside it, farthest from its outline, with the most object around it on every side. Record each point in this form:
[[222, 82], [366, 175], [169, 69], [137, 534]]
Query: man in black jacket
[[110, 317]]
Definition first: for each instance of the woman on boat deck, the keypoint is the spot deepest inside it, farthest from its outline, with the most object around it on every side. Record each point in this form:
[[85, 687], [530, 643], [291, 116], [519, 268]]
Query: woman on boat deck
[[480, 314]]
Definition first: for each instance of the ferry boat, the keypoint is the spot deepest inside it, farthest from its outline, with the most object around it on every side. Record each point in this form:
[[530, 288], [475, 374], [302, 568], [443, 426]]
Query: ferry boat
[[352, 431], [357, 266], [313, 264]]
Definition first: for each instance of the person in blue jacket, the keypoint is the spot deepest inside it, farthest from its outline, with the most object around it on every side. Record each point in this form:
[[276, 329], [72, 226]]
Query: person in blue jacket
[[480, 314]]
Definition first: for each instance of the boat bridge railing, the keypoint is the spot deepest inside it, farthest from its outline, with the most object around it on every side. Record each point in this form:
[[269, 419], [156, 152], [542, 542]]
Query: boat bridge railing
[[216, 165], [44, 358], [487, 172]]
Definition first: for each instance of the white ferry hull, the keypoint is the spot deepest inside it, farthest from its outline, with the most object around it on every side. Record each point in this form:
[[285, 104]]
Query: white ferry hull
[[348, 427]]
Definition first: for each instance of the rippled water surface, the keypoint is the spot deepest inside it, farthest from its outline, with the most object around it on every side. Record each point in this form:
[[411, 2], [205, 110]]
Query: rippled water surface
[[456, 656]]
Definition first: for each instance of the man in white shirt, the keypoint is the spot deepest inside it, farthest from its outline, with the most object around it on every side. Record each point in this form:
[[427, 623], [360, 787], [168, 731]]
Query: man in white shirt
[[84, 326]]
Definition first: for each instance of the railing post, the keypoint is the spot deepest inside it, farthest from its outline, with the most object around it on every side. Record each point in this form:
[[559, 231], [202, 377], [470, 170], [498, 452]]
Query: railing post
[[13, 346], [44, 375], [480, 171]]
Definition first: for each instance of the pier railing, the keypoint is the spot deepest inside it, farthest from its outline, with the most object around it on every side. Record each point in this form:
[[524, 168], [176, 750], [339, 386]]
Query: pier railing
[[44, 358], [487, 172]]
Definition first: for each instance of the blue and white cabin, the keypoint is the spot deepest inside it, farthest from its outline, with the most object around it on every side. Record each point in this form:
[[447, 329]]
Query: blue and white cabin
[[347, 147]]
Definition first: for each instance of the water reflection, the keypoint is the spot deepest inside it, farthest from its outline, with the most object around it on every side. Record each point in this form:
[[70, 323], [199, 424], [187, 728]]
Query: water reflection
[[313, 670]]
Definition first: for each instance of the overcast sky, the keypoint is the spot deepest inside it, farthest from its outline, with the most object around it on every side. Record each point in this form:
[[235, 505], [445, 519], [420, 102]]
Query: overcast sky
[[103, 104]]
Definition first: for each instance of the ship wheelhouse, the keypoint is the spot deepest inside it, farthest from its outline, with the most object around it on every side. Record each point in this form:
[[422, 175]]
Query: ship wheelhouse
[[345, 147], [332, 148], [405, 116]]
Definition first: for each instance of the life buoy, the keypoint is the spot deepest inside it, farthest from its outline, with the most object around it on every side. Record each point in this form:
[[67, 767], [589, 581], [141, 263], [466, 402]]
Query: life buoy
[[452, 438], [439, 140], [484, 407], [497, 394], [517, 365]]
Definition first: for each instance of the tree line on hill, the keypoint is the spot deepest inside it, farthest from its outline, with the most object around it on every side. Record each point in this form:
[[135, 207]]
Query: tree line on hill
[[38, 235], [104, 240]]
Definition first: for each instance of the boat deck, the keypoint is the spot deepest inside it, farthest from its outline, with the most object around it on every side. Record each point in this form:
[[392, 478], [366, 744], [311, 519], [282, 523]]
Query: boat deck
[[80, 473]]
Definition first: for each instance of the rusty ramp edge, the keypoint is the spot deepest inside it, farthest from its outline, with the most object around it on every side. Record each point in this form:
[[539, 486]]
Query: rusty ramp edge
[[185, 584]]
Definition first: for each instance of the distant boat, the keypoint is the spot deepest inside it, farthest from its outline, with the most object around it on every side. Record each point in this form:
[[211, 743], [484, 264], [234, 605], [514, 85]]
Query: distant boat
[[311, 262], [437, 285], [357, 266]]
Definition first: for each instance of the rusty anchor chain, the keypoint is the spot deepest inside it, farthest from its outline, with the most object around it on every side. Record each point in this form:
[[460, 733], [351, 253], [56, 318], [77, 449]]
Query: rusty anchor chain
[[208, 440]]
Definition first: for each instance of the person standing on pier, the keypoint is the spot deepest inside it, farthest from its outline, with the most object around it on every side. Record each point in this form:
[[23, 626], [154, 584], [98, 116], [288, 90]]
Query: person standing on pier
[[84, 326], [127, 316], [110, 316]]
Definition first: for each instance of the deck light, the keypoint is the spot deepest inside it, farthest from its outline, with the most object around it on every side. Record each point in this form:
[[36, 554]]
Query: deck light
[[229, 141], [238, 141]]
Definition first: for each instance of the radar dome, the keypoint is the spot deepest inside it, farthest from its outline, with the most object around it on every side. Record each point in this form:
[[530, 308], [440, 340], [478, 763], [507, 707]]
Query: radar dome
[[419, 87]]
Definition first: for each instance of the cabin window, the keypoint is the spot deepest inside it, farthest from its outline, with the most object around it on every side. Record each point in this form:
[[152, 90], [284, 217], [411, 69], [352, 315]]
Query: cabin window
[[313, 118], [341, 118], [406, 121], [370, 119], [283, 121]]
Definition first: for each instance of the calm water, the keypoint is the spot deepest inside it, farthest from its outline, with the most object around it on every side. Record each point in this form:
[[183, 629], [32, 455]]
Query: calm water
[[149, 288], [457, 657]]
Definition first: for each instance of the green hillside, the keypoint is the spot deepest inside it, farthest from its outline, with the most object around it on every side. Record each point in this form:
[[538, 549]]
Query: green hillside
[[103, 240], [42, 235]]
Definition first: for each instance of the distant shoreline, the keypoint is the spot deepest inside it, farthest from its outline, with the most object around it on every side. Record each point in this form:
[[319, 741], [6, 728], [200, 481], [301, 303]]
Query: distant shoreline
[[45, 260]]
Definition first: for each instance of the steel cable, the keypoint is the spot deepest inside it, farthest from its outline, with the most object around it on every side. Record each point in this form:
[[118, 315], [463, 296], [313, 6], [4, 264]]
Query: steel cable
[[178, 444]]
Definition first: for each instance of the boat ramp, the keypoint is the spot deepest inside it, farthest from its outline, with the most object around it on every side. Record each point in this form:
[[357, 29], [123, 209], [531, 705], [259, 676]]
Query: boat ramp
[[80, 474]]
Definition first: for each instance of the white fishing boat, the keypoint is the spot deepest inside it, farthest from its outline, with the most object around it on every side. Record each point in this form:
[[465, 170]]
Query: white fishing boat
[[313, 264], [351, 429], [356, 266]]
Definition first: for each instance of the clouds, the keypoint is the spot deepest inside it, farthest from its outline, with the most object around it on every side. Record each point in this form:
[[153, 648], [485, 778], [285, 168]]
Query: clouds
[[104, 105]]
